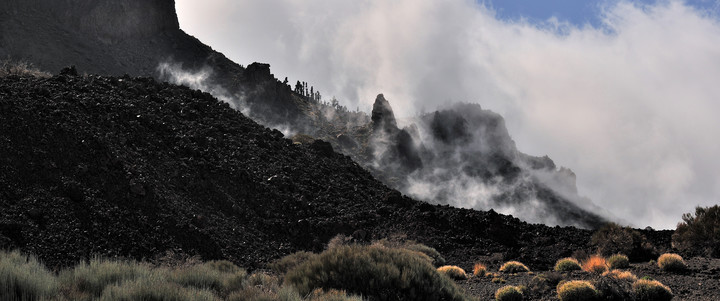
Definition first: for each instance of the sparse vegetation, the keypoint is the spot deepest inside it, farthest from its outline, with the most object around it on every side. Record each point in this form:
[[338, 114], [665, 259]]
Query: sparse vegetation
[[385, 273], [545, 282], [509, 293], [651, 290], [453, 271], [615, 239], [671, 262], [699, 234], [618, 261], [567, 264], [8, 68], [287, 263], [577, 290], [621, 275], [514, 267], [479, 270], [595, 264], [24, 278]]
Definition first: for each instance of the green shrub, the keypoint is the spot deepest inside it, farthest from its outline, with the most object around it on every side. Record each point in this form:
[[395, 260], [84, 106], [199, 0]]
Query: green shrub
[[437, 258], [509, 293], [373, 271], [614, 239], [567, 265], [154, 288], [651, 290], [87, 280], [577, 290], [618, 261], [453, 271], [514, 267], [287, 263], [671, 262], [25, 278], [699, 235]]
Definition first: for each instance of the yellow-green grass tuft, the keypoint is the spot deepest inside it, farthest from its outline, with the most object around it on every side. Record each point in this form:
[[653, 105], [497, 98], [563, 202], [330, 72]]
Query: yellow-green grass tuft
[[621, 275], [453, 271], [514, 267], [567, 264], [618, 261], [577, 290], [671, 262], [651, 290], [509, 293]]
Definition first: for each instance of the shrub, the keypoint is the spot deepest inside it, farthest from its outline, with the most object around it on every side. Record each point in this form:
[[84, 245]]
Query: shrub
[[287, 263], [479, 270], [514, 267], [621, 275], [24, 278], [567, 265], [373, 271], [453, 271], [577, 290], [89, 279], [509, 293], [699, 234], [671, 262], [613, 289], [8, 68], [331, 295], [437, 258], [647, 290], [545, 282], [618, 261], [614, 239], [154, 288], [595, 264], [498, 280]]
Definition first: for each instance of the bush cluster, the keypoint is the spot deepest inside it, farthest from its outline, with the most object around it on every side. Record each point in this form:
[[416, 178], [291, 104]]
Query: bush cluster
[[509, 293], [577, 290], [699, 235], [374, 271], [618, 261], [614, 239]]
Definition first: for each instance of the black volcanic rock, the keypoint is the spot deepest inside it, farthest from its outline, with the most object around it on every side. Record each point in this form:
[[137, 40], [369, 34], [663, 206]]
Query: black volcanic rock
[[131, 167], [382, 115]]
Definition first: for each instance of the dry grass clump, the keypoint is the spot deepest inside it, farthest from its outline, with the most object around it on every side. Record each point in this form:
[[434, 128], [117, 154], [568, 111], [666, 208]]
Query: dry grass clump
[[453, 271], [699, 234], [618, 261], [614, 239], [8, 68], [567, 264], [514, 267], [621, 275], [509, 293], [577, 290], [651, 290], [25, 278], [595, 264], [89, 279], [375, 272], [154, 288], [479, 270], [671, 262]]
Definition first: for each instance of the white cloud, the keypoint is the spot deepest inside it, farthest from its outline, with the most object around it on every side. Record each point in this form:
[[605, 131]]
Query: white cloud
[[629, 107]]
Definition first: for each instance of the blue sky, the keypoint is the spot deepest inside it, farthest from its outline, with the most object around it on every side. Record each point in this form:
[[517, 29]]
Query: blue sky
[[577, 12]]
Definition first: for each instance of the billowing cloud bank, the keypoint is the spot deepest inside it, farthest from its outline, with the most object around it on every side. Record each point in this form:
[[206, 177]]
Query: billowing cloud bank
[[631, 106]]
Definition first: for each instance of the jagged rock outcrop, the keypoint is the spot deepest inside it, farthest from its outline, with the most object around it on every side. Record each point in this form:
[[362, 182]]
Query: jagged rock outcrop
[[382, 115]]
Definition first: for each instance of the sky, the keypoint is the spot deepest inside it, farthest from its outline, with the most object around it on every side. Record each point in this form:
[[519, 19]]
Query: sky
[[624, 93]]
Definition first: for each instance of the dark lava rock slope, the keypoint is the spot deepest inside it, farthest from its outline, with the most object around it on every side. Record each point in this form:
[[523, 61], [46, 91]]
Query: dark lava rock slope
[[120, 166]]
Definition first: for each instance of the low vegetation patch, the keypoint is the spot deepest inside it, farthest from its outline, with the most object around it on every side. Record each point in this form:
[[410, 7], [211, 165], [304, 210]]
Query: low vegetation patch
[[509, 293], [621, 275], [699, 234], [615, 239], [8, 68], [567, 264], [514, 267], [373, 271], [479, 270], [577, 290], [671, 262], [618, 261], [23, 277], [647, 290], [453, 271], [595, 264]]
